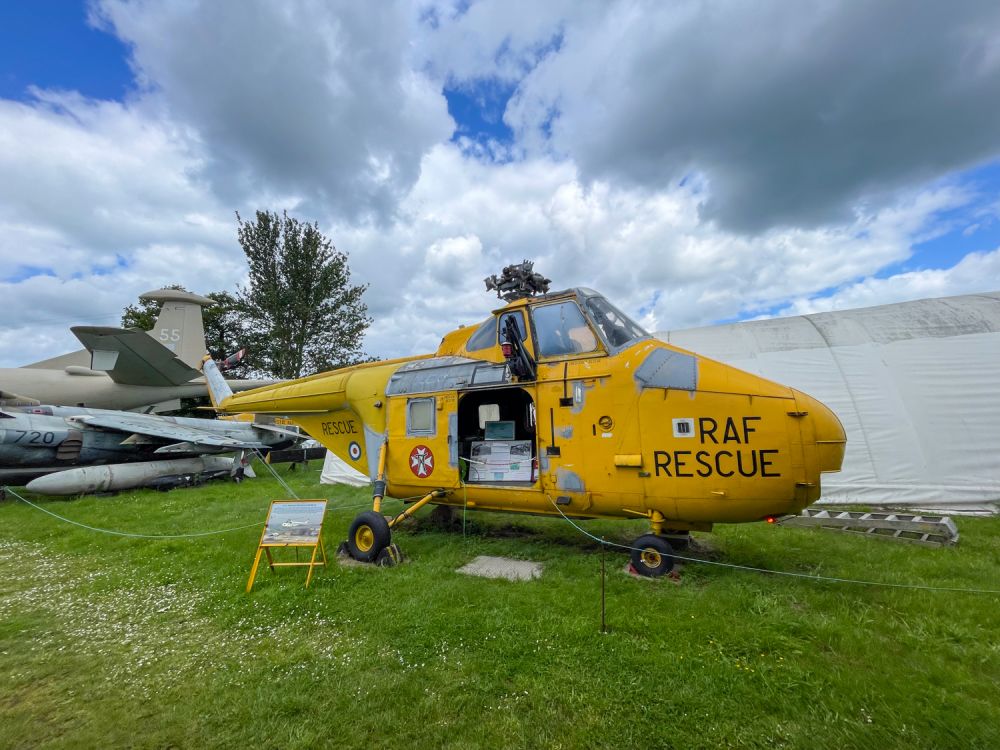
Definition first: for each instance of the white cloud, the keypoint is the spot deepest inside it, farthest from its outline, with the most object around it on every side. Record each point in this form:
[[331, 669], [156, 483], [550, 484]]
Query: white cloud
[[488, 40], [648, 251], [99, 202], [975, 273], [311, 99], [86, 180], [335, 112], [793, 111]]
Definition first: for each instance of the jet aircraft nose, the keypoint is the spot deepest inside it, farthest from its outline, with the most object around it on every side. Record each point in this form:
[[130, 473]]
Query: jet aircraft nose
[[827, 440]]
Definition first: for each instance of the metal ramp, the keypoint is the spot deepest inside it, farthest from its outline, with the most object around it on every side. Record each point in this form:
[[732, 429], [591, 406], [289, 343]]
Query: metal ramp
[[926, 530]]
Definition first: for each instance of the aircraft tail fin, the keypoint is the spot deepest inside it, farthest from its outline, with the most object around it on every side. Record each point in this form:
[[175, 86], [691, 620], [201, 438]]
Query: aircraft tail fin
[[179, 327], [218, 388], [131, 357]]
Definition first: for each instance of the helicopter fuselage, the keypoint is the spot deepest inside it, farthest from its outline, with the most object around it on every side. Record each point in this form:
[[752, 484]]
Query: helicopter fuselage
[[560, 404]]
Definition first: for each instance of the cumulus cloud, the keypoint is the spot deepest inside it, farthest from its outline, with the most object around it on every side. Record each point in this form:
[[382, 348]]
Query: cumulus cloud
[[307, 107], [493, 40], [792, 112], [99, 202], [651, 253], [696, 162], [975, 273], [84, 180], [313, 99]]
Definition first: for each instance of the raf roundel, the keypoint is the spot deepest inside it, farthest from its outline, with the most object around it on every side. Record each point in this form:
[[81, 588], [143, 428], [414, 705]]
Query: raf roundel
[[422, 461], [354, 451]]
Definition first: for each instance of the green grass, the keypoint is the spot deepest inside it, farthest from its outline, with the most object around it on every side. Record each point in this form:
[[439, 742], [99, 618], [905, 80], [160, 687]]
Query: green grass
[[112, 641]]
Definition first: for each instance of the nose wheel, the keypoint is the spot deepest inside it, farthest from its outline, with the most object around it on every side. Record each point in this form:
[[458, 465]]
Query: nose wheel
[[652, 556]]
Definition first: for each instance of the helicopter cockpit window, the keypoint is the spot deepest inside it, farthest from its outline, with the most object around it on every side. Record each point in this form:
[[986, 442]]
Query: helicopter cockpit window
[[562, 329], [617, 328], [518, 318], [484, 337]]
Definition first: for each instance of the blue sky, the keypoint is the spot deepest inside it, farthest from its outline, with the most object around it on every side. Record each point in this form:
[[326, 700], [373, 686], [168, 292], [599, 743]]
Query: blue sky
[[49, 44], [477, 109], [963, 230], [630, 146]]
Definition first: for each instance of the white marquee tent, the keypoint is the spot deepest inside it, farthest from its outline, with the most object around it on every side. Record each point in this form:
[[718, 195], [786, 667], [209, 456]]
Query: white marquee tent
[[336, 471], [915, 384]]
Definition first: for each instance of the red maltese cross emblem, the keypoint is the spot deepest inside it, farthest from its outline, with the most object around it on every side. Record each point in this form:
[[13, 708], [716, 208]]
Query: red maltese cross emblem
[[422, 461]]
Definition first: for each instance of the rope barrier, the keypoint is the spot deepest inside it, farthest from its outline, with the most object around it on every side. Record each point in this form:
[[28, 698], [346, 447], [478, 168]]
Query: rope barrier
[[829, 579], [128, 533], [274, 473], [599, 540], [135, 535]]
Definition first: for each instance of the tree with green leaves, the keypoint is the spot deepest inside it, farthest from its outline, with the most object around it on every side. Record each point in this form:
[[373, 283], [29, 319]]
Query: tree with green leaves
[[299, 313]]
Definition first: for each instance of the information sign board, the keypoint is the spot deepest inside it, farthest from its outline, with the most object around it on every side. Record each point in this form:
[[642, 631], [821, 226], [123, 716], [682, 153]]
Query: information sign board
[[292, 523]]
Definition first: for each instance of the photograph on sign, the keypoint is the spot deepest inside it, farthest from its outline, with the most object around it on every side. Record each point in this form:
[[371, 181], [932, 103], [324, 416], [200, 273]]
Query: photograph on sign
[[294, 523]]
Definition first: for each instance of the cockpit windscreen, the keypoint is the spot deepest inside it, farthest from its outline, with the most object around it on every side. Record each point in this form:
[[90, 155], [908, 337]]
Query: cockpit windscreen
[[617, 328], [562, 329]]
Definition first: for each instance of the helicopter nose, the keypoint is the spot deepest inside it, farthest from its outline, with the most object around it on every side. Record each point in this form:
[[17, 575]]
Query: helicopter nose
[[828, 439]]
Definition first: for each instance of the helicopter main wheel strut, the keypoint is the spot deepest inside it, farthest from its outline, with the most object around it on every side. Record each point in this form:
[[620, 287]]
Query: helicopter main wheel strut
[[367, 536], [652, 556]]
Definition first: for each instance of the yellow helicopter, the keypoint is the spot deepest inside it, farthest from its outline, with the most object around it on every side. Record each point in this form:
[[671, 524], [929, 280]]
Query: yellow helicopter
[[558, 403]]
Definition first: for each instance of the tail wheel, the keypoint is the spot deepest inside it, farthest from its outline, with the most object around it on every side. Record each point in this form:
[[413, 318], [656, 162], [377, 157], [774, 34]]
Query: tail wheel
[[652, 556], [367, 536]]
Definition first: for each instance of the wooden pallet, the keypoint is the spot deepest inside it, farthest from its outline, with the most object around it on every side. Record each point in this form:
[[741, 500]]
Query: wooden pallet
[[927, 530]]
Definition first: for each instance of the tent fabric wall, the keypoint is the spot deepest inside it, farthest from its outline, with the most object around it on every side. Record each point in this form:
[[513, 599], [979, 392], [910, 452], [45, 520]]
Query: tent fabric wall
[[335, 471], [915, 384]]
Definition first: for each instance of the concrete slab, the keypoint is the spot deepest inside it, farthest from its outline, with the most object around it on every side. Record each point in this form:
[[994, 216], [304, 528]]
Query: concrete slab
[[485, 566]]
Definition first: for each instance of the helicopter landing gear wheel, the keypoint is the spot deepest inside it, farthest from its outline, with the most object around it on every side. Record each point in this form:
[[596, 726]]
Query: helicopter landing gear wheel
[[367, 536], [652, 556]]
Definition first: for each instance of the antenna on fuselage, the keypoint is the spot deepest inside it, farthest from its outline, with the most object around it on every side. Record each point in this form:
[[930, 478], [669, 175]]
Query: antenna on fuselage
[[517, 281]]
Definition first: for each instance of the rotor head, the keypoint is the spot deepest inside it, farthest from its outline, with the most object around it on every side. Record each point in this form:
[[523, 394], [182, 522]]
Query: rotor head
[[517, 281]]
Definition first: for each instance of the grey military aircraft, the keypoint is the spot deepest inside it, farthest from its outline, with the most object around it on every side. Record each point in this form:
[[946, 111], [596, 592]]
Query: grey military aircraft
[[66, 450], [123, 368]]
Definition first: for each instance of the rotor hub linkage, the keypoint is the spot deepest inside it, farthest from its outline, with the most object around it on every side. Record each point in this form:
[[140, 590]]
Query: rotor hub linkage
[[517, 281]]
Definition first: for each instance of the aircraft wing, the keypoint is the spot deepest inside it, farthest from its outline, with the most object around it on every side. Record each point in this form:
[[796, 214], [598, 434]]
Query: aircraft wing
[[133, 357], [233, 438], [8, 398]]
